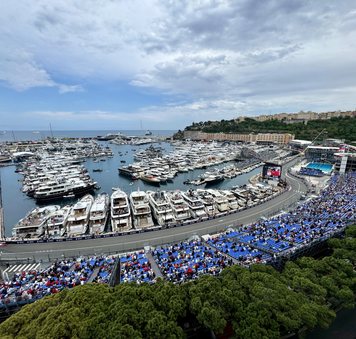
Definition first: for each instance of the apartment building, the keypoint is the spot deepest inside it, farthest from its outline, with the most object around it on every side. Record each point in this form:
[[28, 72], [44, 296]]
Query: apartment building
[[278, 138]]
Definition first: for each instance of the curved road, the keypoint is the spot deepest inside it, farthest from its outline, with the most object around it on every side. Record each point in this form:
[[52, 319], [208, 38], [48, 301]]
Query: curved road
[[53, 250]]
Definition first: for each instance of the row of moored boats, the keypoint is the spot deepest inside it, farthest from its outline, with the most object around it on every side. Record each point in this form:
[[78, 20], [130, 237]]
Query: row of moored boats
[[139, 210], [55, 178]]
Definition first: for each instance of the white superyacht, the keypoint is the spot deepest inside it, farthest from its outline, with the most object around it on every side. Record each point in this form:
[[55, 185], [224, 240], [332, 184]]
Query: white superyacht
[[233, 203], [181, 210], [209, 202], [56, 223], [99, 214], [32, 225], [141, 210], [161, 208], [120, 211], [220, 200], [78, 218], [195, 204]]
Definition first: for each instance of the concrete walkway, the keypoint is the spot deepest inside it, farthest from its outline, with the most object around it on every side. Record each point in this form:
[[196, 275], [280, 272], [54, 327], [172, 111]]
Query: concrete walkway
[[94, 274], [154, 265]]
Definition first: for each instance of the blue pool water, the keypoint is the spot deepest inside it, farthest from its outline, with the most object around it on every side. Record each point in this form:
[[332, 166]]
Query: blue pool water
[[326, 168]]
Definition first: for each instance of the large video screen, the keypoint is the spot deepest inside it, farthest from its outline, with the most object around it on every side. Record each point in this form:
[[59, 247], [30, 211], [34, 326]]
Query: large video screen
[[271, 171]]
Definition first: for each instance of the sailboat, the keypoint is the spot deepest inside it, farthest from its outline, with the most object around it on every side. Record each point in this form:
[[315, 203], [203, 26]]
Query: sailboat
[[148, 132]]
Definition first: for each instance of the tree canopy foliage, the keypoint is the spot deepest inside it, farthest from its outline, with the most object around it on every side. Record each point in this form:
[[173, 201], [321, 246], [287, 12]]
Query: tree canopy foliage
[[340, 127], [259, 302]]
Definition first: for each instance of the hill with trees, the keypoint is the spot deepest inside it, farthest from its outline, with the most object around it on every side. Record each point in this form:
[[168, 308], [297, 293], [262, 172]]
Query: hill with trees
[[339, 127], [259, 302]]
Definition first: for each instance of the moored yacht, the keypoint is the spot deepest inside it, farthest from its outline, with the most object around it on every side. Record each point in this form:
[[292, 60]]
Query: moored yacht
[[56, 223], [161, 208], [32, 225], [209, 202], [120, 211], [180, 208], [233, 204], [150, 179], [195, 204], [220, 200], [141, 210], [53, 190], [78, 218], [99, 214], [131, 171], [213, 179], [242, 195]]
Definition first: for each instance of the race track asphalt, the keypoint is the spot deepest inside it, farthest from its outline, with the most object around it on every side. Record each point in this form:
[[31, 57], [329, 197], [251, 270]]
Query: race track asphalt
[[53, 250]]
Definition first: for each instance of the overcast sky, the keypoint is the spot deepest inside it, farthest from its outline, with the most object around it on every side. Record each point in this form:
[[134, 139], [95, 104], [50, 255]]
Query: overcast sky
[[103, 64]]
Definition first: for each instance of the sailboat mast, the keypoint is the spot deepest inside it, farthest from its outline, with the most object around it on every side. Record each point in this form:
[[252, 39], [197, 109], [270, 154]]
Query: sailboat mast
[[50, 128]]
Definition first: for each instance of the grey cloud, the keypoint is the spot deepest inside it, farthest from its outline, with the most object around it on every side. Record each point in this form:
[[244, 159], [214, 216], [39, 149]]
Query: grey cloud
[[221, 51]]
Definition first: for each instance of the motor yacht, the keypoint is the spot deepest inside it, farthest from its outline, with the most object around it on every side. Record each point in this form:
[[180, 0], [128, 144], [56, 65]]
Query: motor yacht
[[233, 204], [181, 210], [56, 223], [141, 210], [209, 202], [32, 225], [161, 208], [78, 218], [99, 214], [195, 204], [120, 211], [220, 200]]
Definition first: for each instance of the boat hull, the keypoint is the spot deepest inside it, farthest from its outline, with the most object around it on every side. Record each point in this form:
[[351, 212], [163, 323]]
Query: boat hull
[[78, 192]]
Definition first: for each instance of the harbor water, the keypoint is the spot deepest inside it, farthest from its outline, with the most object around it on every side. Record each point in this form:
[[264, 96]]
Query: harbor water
[[17, 204]]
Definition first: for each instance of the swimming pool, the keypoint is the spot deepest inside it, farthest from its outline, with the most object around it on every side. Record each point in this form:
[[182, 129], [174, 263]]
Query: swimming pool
[[326, 168]]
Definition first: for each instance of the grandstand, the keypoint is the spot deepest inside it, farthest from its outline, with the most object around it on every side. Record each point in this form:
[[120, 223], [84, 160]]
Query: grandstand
[[136, 267], [325, 168], [316, 169], [187, 260], [312, 172], [261, 242]]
